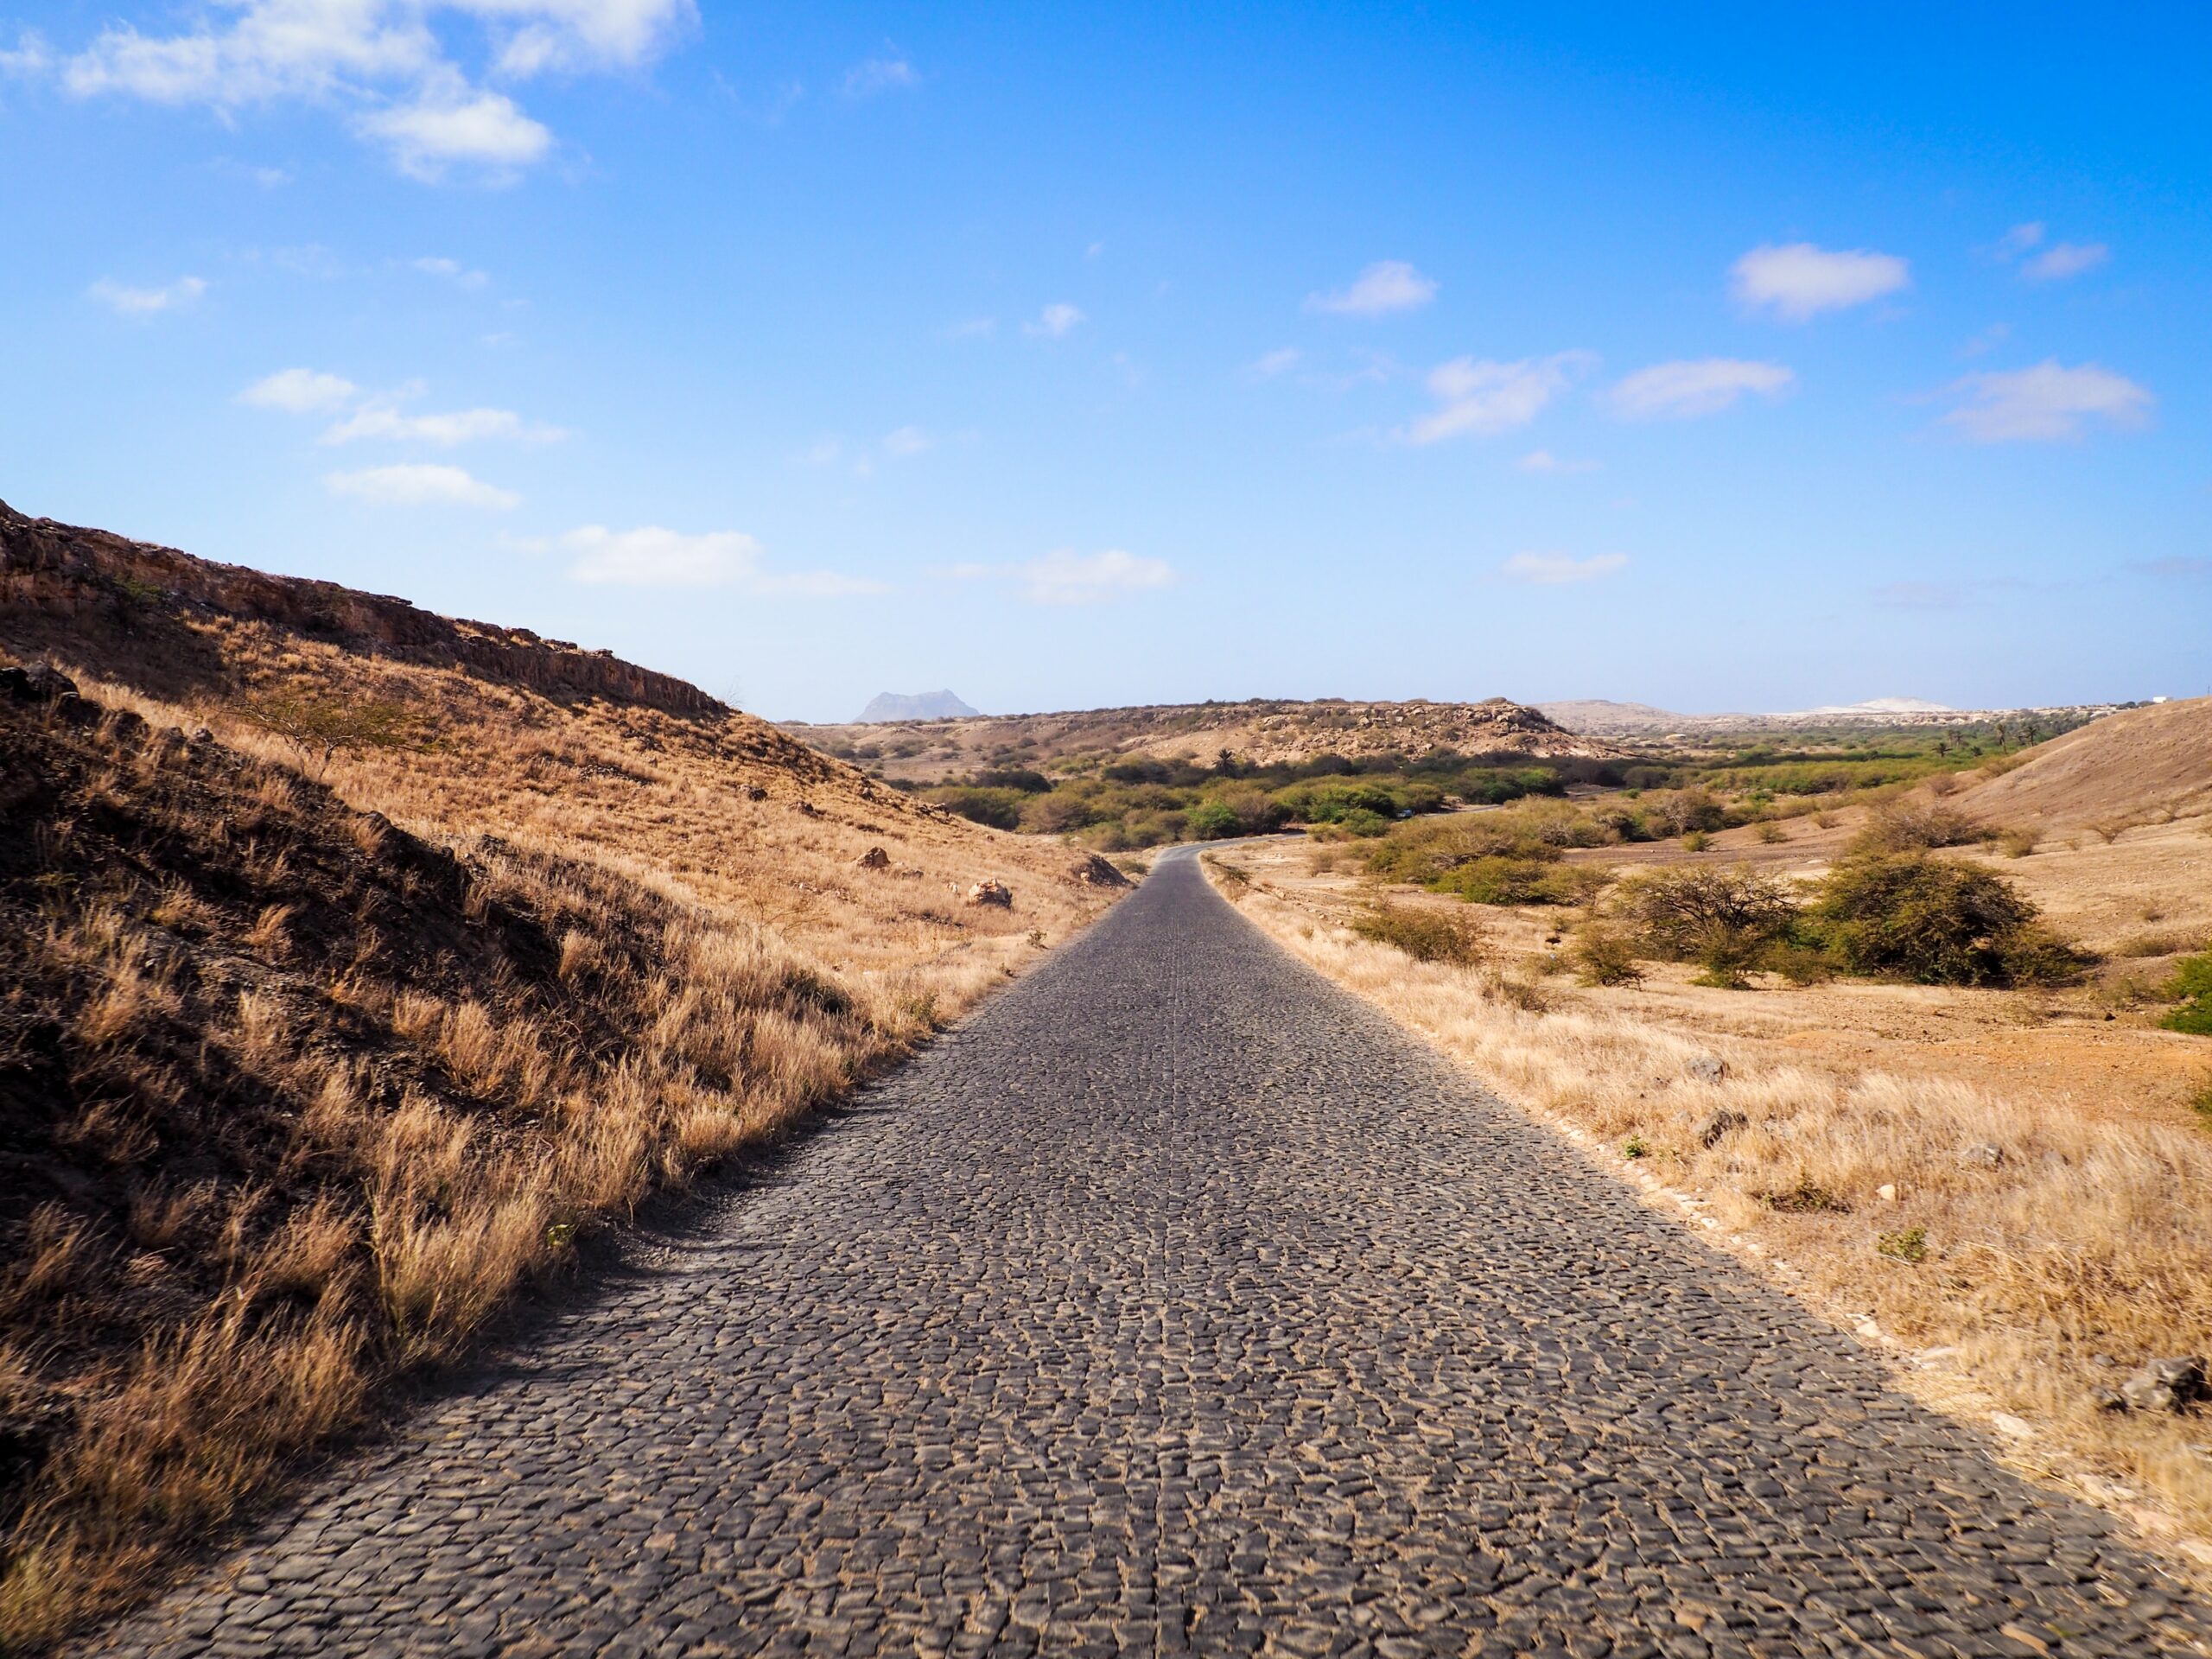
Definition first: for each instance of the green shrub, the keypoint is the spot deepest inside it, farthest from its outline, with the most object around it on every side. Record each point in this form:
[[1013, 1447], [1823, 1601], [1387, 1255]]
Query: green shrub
[[1688, 913], [1506, 880], [1423, 934], [1603, 956], [1935, 922], [1906, 1244], [1696, 842], [999, 808], [1212, 820], [1727, 955], [2191, 986]]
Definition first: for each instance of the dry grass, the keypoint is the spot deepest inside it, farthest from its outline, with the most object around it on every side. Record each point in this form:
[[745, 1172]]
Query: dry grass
[[1999, 1282]]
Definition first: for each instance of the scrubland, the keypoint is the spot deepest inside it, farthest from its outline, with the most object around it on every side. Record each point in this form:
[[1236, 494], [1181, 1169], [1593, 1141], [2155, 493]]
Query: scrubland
[[2003, 1183]]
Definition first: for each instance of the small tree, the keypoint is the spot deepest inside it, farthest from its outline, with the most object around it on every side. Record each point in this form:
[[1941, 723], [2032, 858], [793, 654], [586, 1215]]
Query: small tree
[[320, 728]]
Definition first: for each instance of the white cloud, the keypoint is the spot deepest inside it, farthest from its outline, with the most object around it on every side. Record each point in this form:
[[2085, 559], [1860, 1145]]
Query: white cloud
[[1066, 577], [2047, 402], [299, 392], [1704, 386], [2018, 240], [454, 271], [973, 329], [1387, 285], [906, 441], [1560, 569], [456, 427], [447, 122], [385, 62], [879, 75], [146, 302], [1053, 321], [1281, 360], [1542, 461], [1483, 397], [1799, 280], [2065, 259], [30, 58], [650, 556], [420, 485]]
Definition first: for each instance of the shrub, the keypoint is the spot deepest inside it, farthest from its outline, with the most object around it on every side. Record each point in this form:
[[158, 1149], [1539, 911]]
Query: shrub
[[1000, 808], [1603, 956], [1906, 1244], [1424, 934], [2191, 986], [1909, 825], [1771, 832], [1212, 820], [1799, 965], [1683, 912], [1935, 922], [1502, 880], [1696, 842], [2017, 843], [1728, 955]]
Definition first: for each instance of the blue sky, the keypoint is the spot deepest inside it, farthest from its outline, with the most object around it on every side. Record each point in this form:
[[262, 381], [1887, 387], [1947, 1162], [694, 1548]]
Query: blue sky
[[1699, 356]]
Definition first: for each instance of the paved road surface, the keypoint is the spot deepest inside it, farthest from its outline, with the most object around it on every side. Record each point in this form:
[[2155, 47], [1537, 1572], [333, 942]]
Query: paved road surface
[[1178, 1303]]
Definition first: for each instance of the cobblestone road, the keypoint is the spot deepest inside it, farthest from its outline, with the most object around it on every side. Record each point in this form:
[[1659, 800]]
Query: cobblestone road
[[1180, 1304]]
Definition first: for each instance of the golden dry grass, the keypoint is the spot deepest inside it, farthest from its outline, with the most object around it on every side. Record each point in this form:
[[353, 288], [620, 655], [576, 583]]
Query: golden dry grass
[[2087, 1238]]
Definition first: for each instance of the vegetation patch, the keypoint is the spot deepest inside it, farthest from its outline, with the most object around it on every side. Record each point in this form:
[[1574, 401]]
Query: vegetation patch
[[1424, 932]]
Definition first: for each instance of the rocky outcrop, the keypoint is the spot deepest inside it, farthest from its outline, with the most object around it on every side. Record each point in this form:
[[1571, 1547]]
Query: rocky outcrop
[[61, 572]]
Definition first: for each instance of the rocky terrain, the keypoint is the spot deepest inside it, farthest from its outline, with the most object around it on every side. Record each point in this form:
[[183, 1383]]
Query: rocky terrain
[[1596, 717]]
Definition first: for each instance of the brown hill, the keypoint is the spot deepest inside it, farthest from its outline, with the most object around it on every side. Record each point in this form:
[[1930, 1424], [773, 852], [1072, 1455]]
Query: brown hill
[[2127, 767], [358, 961], [1258, 732]]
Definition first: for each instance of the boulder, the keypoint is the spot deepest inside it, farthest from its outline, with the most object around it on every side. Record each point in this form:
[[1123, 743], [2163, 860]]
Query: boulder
[[1984, 1154], [2165, 1385], [1706, 1067], [1095, 872], [1720, 1126], [991, 893], [874, 859]]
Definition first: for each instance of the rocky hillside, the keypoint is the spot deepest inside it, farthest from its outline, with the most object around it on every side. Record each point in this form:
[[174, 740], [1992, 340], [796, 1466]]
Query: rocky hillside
[[1261, 732], [355, 964]]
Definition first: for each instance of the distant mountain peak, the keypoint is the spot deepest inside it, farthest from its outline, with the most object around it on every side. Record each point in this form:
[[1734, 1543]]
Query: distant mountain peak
[[922, 705]]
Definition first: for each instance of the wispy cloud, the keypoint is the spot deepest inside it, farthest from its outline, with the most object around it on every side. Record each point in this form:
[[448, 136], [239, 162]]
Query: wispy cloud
[[1798, 280], [299, 392], [30, 58], [973, 329], [882, 75], [2182, 567], [1479, 397], [454, 271], [1053, 321], [2065, 259], [1281, 360], [1560, 569], [1707, 385], [1917, 595], [1542, 461], [421, 485], [386, 63], [1066, 577], [129, 301], [1387, 285], [906, 441], [458, 426], [2046, 402], [2018, 240], [650, 556]]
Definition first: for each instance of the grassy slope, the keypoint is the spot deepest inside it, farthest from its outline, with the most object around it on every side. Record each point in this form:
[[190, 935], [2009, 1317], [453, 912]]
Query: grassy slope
[[305, 1077]]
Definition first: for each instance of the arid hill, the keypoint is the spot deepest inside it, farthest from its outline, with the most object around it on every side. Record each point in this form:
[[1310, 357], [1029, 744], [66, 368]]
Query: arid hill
[[1260, 732], [2127, 768], [1598, 718], [358, 962]]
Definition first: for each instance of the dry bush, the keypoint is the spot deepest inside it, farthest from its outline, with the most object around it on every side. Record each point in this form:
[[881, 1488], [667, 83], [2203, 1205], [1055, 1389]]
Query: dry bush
[[1908, 824], [1424, 932]]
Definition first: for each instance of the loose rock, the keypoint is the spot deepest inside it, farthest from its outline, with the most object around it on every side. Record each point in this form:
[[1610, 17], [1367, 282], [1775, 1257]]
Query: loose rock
[[1706, 1067], [874, 859], [991, 893], [1720, 1126]]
